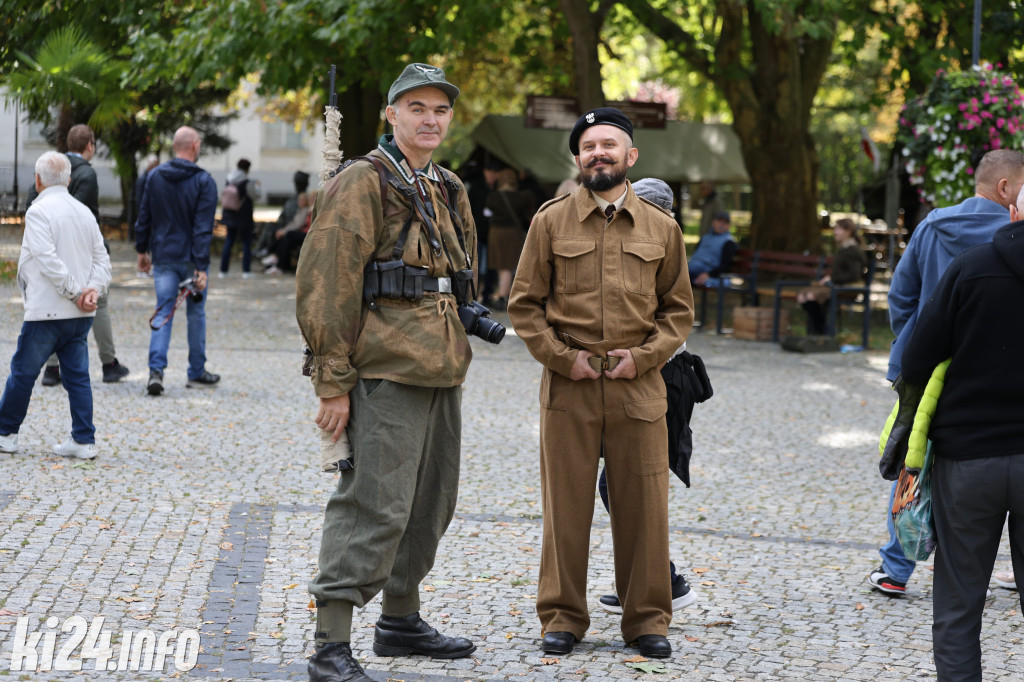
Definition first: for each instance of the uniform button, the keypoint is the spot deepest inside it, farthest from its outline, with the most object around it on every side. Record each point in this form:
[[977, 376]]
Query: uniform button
[[330, 362]]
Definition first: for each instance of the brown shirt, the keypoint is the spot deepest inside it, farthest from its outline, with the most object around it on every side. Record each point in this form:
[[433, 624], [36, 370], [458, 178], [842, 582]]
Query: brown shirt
[[587, 282], [421, 343]]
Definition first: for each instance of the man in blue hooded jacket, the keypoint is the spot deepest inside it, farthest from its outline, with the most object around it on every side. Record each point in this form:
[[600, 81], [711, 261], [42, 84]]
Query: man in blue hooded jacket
[[175, 227], [941, 237]]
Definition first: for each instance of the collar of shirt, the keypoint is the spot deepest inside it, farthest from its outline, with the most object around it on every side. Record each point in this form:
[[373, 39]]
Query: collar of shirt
[[75, 154], [603, 204], [387, 146]]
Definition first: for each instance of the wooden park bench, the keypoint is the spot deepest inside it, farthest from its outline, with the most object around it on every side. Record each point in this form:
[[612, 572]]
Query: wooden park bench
[[841, 295], [751, 273]]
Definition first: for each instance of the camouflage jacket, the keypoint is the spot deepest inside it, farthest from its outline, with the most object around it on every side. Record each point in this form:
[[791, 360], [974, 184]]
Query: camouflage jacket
[[421, 343], [586, 282]]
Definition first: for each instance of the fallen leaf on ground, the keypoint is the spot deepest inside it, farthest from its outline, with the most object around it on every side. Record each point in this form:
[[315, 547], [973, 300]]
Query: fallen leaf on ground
[[648, 667], [718, 622], [549, 661], [636, 659], [691, 638], [226, 546], [859, 607]]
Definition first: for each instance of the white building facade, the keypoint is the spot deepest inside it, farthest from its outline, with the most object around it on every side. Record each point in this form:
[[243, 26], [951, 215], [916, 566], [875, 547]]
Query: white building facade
[[275, 149]]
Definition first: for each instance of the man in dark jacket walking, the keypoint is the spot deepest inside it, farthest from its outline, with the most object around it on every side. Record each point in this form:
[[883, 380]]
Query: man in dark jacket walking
[[977, 434], [81, 148], [175, 227]]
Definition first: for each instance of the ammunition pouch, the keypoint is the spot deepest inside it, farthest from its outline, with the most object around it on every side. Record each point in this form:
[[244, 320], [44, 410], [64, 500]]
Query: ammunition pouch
[[395, 279]]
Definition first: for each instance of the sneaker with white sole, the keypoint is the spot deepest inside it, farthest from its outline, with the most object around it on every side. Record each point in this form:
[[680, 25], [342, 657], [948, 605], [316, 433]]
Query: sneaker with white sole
[[881, 581], [1003, 579], [71, 448], [682, 596], [9, 443]]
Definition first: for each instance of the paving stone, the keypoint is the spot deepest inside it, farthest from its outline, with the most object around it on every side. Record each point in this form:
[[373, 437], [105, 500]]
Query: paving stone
[[204, 509]]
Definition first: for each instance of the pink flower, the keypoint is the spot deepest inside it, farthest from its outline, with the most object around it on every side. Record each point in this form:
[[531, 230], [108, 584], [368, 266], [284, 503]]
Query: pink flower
[[996, 143], [963, 107], [970, 171], [1000, 122]]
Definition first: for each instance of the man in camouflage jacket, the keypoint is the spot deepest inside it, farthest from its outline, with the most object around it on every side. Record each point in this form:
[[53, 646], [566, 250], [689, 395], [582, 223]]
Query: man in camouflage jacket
[[388, 374]]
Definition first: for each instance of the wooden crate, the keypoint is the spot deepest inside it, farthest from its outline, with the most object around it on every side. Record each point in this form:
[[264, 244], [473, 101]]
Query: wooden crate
[[755, 324]]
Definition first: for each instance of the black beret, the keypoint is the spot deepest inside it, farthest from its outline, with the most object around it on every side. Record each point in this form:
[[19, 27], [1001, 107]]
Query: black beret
[[595, 117]]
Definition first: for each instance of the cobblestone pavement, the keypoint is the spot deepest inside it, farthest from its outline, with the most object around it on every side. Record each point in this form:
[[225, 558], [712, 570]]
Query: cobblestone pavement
[[203, 512]]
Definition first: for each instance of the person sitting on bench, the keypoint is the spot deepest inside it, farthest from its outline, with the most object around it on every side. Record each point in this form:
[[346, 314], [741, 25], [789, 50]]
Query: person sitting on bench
[[714, 251], [847, 268]]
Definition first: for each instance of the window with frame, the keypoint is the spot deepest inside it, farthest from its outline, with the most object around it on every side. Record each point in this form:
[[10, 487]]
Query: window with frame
[[282, 135]]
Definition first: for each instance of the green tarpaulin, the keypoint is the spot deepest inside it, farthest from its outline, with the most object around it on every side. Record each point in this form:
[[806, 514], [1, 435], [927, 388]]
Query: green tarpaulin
[[681, 152]]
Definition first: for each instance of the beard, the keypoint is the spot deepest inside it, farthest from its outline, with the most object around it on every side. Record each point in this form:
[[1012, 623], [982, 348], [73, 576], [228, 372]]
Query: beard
[[613, 175]]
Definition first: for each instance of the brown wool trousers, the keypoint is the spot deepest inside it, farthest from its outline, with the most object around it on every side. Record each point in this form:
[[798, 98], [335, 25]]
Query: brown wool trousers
[[629, 416]]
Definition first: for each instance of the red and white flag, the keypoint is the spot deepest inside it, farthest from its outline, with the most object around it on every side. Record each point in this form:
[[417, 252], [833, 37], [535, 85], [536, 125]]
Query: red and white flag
[[868, 145]]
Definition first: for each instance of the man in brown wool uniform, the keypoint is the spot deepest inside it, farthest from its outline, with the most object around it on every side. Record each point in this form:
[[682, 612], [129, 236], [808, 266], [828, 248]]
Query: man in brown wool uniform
[[602, 299]]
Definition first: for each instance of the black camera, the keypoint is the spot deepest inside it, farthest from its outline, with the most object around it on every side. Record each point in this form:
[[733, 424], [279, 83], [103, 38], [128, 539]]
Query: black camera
[[476, 319], [188, 286]]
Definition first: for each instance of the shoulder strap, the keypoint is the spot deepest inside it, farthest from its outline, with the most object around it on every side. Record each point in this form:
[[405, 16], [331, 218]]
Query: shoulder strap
[[386, 179], [450, 192]]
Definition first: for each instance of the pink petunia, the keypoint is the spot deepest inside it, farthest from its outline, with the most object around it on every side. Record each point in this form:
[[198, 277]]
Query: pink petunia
[[970, 171]]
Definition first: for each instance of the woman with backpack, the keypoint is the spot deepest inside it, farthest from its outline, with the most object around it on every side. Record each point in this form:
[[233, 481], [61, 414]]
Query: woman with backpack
[[237, 201]]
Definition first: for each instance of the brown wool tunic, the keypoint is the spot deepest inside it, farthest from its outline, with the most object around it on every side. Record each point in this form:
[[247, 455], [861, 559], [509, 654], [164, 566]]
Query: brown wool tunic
[[584, 282]]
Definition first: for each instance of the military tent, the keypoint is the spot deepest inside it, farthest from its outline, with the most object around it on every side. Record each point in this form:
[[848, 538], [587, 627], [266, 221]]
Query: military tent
[[681, 152]]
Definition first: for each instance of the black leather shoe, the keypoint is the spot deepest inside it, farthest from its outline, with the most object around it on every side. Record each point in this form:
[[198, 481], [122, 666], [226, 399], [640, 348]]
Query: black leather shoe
[[654, 646], [334, 663], [51, 376], [558, 643], [401, 636], [114, 372]]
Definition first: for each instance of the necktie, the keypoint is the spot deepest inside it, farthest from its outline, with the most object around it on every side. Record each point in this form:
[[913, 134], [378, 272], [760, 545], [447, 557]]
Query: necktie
[[609, 211]]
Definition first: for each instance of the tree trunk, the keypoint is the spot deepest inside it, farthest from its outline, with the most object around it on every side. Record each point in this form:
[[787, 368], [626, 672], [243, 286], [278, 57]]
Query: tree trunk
[[360, 107], [769, 74], [585, 28], [783, 168], [65, 121]]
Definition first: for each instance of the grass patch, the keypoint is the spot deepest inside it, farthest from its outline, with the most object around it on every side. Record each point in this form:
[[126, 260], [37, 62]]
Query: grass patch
[[8, 270]]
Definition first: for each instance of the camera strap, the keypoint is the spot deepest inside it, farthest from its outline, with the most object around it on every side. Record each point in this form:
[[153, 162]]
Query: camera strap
[[182, 295]]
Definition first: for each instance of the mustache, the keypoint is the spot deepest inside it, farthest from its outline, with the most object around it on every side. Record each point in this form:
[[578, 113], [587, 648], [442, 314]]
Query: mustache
[[604, 159]]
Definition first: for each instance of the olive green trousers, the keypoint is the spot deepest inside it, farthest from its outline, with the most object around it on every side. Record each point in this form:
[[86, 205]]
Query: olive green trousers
[[384, 521]]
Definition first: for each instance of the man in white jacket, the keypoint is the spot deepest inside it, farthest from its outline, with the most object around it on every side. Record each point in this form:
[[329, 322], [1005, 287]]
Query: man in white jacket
[[62, 271]]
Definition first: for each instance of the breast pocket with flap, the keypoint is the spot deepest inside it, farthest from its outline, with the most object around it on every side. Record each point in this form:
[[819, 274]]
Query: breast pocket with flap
[[575, 265], [640, 262]]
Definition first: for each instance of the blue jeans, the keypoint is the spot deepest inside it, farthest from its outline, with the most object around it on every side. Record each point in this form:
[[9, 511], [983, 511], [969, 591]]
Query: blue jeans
[[69, 339], [602, 487], [166, 277], [229, 242], [895, 563]]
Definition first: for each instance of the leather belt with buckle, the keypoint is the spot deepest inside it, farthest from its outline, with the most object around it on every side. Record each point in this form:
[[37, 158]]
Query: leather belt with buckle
[[599, 364]]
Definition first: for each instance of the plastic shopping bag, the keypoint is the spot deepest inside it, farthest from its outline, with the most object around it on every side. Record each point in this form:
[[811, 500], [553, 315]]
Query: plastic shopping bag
[[912, 510]]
